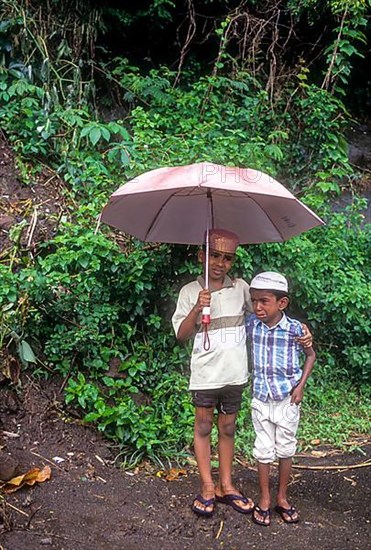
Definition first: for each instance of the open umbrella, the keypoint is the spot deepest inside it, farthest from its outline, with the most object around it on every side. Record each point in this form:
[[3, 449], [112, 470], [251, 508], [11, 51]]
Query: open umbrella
[[178, 204]]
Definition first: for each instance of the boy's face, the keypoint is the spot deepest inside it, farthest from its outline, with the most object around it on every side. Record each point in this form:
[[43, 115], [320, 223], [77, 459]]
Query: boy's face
[[267, 307], [219, 264]]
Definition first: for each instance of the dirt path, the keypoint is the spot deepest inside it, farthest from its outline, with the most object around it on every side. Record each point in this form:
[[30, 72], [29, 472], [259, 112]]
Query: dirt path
[[90, 504]]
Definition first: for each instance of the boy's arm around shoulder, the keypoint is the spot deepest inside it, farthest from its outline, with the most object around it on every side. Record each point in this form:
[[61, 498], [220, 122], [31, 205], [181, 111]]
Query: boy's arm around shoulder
[[298, 391]]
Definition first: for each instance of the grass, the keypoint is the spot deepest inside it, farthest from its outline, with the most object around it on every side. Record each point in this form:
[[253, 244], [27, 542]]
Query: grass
[[332, 414]]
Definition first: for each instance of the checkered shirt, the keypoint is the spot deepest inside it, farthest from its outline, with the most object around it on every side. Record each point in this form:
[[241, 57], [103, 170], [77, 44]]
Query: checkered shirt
[[275, 355]]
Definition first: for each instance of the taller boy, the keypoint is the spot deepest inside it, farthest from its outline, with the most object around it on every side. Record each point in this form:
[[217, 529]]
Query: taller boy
[[219, 373]]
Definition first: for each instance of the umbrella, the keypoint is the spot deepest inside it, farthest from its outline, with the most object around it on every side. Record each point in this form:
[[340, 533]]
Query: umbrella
[[177, 204]]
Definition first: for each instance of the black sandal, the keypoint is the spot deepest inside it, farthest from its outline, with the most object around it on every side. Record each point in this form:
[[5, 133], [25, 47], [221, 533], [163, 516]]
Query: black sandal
[[264, 513], [206, 502], [233, 500], [288, 512]]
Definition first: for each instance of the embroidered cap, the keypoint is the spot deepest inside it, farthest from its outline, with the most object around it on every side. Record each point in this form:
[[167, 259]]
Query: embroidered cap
[[223, 240], [270, 280]]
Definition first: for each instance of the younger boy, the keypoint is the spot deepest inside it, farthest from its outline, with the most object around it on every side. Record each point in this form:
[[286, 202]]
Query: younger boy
[[219, 369], [278, 386]]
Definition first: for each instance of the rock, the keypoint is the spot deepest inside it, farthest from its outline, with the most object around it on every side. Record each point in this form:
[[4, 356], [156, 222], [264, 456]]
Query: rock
[[355, 155], [8, 466], [46, 542]]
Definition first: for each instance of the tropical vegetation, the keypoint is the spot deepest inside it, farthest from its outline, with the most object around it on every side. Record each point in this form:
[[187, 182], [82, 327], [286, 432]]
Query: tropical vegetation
[[264, 85]]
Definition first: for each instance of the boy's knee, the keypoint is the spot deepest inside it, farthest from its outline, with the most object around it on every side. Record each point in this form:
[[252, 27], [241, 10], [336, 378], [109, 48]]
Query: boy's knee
[[203, 427], [227, 429]]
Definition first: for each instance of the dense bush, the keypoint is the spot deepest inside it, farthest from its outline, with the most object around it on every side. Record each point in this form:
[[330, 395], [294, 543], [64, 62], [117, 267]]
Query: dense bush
[[99, 314]]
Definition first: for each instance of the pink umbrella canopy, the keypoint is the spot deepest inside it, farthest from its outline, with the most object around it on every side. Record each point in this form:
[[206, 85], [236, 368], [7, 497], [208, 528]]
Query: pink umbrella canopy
[[177, 204]]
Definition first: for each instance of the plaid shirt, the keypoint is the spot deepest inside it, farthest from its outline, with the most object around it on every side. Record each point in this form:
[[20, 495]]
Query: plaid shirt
[[275, 356]]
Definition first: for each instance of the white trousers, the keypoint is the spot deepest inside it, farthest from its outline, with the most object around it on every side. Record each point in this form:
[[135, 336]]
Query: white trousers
[[275, 424]]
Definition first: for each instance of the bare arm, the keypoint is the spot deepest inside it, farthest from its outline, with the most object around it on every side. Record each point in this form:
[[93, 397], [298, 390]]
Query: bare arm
[[298, 391], [187, 327]]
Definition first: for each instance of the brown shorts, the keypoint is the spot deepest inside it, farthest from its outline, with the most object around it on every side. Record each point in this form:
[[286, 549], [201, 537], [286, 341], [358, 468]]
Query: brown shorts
[[226, 400]]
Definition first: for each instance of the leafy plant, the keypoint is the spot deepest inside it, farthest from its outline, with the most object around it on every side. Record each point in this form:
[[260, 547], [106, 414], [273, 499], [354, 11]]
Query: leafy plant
[[96, 307]]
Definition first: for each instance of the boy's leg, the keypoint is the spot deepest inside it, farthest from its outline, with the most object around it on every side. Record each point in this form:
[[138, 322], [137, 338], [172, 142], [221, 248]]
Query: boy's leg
[[226, 431], [265, 494], [287, 425], [202, 429], [286, 511], [264, 453], [228, 410]]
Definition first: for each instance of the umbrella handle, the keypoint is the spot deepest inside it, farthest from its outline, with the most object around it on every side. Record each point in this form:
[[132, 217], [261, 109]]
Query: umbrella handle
[[205, 319], [206, 339]]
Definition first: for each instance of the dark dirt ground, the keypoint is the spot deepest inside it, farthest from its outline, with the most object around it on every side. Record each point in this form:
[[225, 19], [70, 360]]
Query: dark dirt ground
[[90, 503]]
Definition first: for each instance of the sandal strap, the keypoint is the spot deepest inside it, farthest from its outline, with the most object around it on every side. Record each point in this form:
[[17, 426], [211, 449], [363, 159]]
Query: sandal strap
[[239, 497], [263, 513], [288, 511], [204, 501]]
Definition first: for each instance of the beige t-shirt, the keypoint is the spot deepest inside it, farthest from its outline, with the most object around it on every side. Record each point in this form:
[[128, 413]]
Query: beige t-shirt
[[225, 363]]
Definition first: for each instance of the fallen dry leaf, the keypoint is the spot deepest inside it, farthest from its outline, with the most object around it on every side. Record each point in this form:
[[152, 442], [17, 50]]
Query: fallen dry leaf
[[175, 473], [29, 478], [171, 475], [315, 441], [10, 366]]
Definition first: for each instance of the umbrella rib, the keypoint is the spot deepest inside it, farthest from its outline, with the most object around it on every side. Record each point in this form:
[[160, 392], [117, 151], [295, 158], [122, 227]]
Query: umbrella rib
[[159, 212], [210, 197]]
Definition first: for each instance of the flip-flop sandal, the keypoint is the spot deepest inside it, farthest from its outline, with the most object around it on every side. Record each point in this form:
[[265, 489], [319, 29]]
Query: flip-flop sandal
[[206, 503], [288, 512], [232, 500], [264, 513]]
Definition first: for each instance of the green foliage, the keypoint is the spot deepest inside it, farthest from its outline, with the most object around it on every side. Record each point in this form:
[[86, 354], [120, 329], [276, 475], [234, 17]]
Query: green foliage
[[199, 130], [351, 17], [317, 146], [79, 289], [99, 314], [14, 319], [334, 413], [157, 427], [329, 272]]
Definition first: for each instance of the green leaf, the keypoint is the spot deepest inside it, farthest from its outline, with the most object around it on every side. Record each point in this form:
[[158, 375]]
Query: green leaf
[[106, 134], [95, 135], [26, 353]]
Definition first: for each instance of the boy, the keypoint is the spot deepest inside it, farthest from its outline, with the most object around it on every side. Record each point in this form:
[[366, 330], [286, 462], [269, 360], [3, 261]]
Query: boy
[[218, 371], [278, 386]]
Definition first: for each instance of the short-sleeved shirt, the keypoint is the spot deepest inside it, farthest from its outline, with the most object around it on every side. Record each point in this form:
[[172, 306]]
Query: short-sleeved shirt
[[275, 355], [225, 362]]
